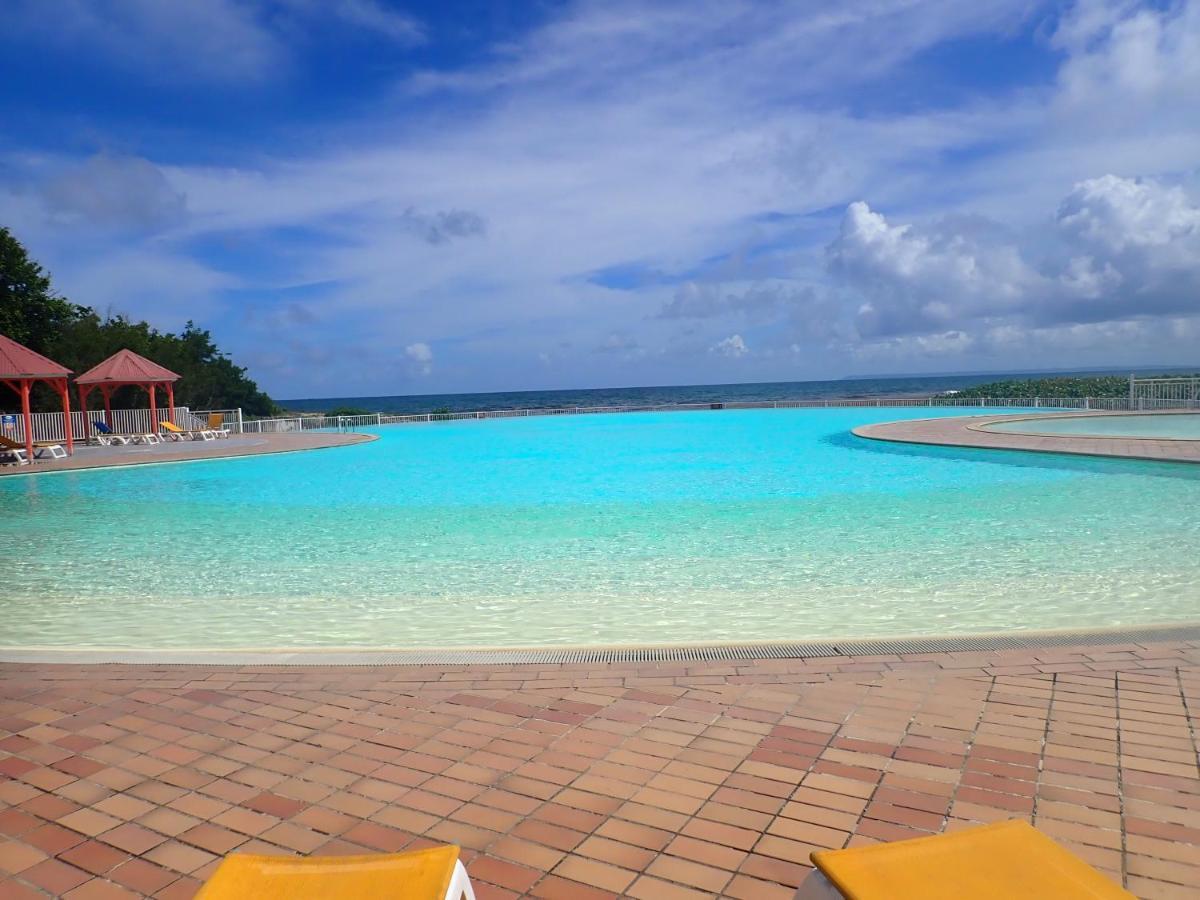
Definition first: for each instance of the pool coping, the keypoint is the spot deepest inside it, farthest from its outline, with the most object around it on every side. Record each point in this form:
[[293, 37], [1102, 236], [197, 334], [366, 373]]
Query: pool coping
[[967, 642], [1085, 414], [966, 432]]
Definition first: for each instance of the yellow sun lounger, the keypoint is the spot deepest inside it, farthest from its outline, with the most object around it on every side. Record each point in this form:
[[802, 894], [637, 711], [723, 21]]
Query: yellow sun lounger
[[433, 874], [178, 434], [1004, 861]]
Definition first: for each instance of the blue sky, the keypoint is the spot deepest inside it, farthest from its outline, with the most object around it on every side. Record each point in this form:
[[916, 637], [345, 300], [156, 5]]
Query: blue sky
[[365, 197]]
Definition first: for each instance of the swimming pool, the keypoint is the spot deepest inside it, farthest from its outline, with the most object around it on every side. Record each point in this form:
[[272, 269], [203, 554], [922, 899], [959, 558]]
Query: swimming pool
[[1168, 426], [623, 529]]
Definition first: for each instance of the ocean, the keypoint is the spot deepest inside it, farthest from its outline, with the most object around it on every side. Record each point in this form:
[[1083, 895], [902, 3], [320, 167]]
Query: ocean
[[846, 388]]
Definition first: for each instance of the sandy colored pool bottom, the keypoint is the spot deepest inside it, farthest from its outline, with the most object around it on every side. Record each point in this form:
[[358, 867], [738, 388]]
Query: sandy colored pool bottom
[[971, 431]]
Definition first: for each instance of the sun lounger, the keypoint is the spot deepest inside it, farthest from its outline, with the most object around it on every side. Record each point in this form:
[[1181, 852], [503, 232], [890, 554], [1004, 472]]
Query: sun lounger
[[173, 432], [40, 448], [109, 438], [432, 874], [1002, 861], [216, 424], [10, 456], [106, 436]]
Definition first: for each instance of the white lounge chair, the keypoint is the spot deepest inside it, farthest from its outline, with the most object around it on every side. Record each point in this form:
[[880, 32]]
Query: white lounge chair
[[173, 432], [10, 456], [40, 448], [216, 425]]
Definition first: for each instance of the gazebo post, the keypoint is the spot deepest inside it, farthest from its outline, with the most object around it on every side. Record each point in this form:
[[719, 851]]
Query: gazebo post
[[82, 392], [171, 403], [153, 408], [65, 395], [107, 392], [28, 417]]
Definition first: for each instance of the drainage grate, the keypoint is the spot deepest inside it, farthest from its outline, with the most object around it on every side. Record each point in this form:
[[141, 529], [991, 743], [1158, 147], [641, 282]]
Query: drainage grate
[[500, 656]]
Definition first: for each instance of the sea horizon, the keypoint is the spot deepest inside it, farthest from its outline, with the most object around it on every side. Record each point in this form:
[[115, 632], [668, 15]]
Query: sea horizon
[[848, 388]]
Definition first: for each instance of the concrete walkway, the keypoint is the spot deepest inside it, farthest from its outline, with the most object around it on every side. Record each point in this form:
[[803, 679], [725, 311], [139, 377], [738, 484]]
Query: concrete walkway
[[971, 431], [93, 457], [659, 781]]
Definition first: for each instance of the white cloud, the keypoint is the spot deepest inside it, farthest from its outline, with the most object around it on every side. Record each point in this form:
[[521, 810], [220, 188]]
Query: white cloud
[[1127, 249], [421, 356], [732, 347], [924, 280], [1119, 213]]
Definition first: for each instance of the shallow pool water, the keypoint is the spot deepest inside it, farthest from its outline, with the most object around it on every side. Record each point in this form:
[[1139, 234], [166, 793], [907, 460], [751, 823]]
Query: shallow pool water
[[1176, 426], [633, 528]]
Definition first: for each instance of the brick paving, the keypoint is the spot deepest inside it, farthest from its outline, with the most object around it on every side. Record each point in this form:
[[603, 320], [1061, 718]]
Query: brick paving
[[967, 431], [645, 780], [91, 457]]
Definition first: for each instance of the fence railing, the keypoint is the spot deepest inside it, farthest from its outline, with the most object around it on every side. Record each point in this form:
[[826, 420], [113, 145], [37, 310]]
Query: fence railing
[[1164, 388], [49, 426], [318, 422]]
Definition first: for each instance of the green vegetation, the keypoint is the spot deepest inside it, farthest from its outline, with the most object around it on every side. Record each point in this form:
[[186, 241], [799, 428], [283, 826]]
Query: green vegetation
[[78, 338], [1066, 386]]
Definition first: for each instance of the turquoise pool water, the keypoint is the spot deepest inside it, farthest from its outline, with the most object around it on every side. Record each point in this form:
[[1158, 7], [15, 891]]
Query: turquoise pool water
[[1179, 426], [635, 528]]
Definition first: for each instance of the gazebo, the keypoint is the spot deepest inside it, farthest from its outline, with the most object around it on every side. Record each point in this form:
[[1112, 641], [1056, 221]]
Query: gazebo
[[20, 369], [122, 369]]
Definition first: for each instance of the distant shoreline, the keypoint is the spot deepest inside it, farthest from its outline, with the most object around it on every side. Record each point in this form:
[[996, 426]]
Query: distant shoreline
[[906, 387]]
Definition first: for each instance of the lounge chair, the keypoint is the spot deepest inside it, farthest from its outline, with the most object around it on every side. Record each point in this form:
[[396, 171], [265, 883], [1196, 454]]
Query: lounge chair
[[108, 437], [216, 424], [432, 874], [1002, 861], [10, 456], [40, 448], [173, 432]]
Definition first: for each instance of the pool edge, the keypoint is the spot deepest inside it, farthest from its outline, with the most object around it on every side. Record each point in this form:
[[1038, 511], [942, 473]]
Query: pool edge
[[588, 654]]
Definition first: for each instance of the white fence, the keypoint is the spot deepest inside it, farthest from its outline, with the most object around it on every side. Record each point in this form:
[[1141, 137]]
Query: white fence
[[49, 426], [318, 422], [1178, 393], [1184, 390]]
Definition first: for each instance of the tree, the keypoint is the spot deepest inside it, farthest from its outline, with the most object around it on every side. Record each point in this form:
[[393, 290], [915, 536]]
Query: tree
[[78, 338], [30, 312]]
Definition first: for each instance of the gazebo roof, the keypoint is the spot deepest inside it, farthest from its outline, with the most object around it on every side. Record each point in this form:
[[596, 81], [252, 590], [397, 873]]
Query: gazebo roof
[[18, 361], [126, 367]]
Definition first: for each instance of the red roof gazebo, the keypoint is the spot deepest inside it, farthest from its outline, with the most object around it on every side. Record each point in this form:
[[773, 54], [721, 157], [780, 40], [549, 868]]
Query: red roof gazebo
[[20, 369], [121, 369]]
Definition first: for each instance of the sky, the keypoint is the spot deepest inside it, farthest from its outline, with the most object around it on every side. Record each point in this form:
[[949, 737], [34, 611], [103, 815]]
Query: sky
[[365, 197]]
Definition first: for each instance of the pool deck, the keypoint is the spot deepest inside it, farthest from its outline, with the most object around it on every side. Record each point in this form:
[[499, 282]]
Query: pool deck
[[970, 431], [657, 780], [94, 457]]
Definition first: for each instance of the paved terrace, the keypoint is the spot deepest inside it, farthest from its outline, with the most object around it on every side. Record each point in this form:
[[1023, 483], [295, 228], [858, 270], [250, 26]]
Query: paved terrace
[[655, 781], [93, 457], [969, 431]]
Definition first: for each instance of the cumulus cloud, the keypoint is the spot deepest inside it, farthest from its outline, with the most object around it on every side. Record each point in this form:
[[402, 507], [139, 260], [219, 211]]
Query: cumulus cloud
[[421, 357], [732, 347], [1116, 214], [915, 280], [1128, 249], [125, 191]]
